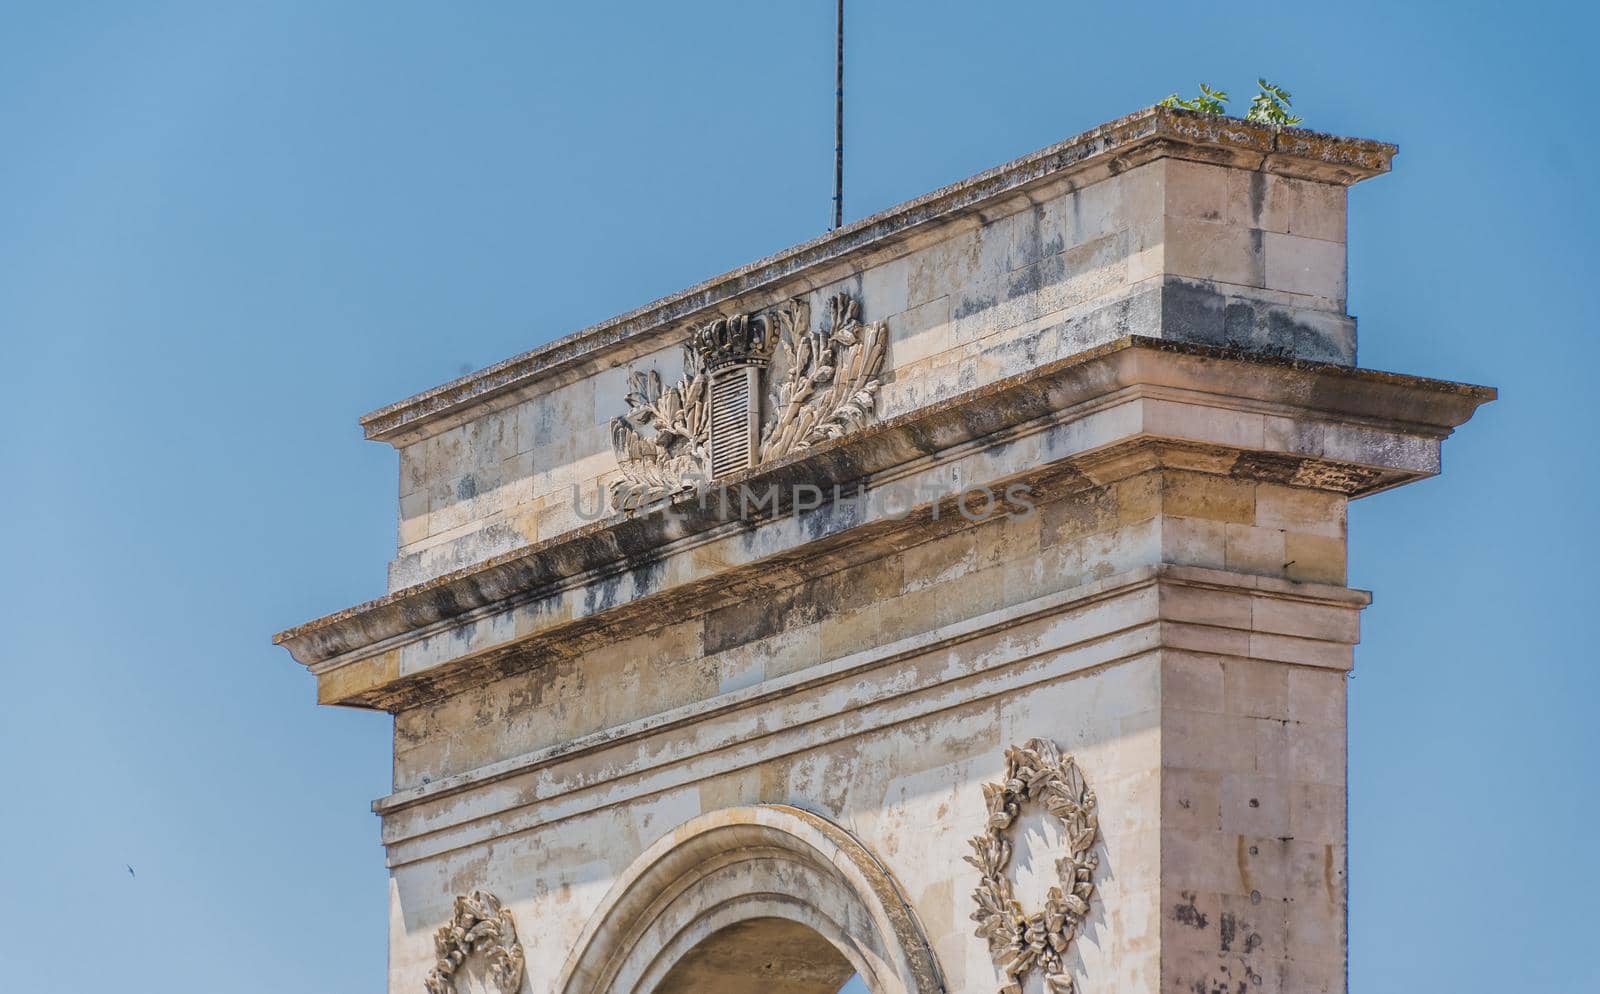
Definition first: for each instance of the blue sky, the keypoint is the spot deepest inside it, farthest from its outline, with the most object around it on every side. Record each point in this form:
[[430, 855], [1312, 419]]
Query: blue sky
[[227, 230]]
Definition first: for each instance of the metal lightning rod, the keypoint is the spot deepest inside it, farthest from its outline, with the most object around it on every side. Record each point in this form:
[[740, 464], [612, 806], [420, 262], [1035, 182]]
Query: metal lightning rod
[[838, 123]]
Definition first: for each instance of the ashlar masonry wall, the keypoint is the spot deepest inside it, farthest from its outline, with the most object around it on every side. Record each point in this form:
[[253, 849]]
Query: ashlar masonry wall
[[1201, 252]]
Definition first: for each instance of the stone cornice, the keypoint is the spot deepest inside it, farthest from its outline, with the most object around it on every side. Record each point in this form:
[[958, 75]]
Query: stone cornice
[[1152, 133], [1100, 623], [1090, 418]]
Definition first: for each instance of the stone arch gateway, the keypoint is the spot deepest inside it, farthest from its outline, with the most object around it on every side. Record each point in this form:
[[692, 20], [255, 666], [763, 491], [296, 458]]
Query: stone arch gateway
[[752, 864], [780, 614]]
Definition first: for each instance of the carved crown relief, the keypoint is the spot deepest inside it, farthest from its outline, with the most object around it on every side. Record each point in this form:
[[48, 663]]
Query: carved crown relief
[[479, 928], [1020, 941], [823, 383]]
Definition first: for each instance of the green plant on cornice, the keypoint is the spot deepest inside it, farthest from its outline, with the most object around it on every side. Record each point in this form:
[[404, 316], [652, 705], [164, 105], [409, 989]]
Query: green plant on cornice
[[1271, 106], [1208, 102]]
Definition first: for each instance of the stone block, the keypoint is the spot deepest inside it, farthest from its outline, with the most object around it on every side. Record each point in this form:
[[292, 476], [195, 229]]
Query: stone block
[[919, 333], [1298, 509], [1206, 741], [1317, 812], [1255, 550], [1194, 542], [1254, 805], [1256, 689], [886, 289], [1313, 558], [413, 518], [1191, 802], [1143, 192], [1306, 266], [1317, 697], [1221, 252], [1198, 190], [1191, 681], [1214, 498], [1317, 755]]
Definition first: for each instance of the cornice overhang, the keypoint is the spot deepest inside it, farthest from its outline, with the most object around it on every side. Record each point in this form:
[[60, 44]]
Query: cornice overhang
[[1060, 427], [1116, 619], [1146, 135]]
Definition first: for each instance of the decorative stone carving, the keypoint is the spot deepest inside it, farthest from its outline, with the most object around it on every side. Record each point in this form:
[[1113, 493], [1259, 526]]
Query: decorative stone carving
[[744, 338], [480, 927], [828, 387], [675, 456], [832, 382], [1018, 940]]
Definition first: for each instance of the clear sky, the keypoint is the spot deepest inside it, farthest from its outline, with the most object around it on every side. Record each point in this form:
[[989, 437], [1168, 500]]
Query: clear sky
[[229, 229]]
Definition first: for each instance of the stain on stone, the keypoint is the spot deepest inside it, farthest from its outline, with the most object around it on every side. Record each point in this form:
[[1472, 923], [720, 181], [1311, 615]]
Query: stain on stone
[[1327, 874], [1109, 322], [602, 594], [1258, 196], [1192, 311], [842, 509], [1239, 323], [466, 488], [1226, 929], [737, 624], [1046, 272], [1304, 340], [972, 305], [1027, 244], [647, 576], [1266, 467], [1262, 329], [1252, 942], [1188, 914]]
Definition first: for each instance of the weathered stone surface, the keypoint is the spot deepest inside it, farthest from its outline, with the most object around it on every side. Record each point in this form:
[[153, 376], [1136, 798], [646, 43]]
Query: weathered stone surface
[[695, 745], [1155, 225]]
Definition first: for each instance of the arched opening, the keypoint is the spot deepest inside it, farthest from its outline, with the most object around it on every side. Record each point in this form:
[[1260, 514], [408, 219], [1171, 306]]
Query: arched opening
[[760, 900], [760, 956]]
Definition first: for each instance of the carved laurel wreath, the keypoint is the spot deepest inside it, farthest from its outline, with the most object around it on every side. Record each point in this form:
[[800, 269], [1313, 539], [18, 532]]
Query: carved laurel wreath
[[829, 385], [1020, 941], [479, 927]]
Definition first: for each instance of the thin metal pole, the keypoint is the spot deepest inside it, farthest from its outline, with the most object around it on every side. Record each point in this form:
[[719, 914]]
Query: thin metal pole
[[838, 124]]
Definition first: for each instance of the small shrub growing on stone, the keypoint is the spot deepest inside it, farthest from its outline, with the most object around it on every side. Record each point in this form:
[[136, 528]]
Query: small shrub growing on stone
[[1208, 102], [1271, 106]]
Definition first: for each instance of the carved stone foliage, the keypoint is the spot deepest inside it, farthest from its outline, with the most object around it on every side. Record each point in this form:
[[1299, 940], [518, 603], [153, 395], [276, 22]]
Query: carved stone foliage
[[674, 453], [832, 382], [1019, 940], [827, 381], [480, 927]]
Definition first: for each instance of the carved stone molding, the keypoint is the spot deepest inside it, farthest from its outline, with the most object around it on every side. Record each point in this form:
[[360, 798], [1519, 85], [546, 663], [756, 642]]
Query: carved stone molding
[[481, 928], [824, 385], [1020, 941], [738, 867]]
